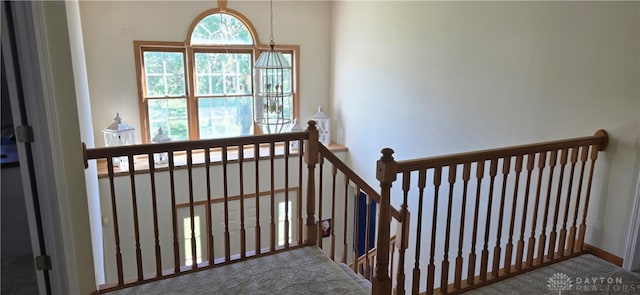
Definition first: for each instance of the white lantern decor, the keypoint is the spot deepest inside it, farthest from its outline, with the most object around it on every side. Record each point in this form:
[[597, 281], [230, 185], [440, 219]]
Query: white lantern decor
[[160, 158], [295, 127], [119, 134], [323, 125]]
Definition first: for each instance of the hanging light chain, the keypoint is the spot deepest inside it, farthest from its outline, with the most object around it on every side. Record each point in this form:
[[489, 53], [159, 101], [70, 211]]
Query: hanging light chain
[[271, 43]]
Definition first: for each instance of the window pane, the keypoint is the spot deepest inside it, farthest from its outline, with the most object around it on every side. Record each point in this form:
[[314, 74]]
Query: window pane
[[281, 224], [171, 116], [287, 81], [223, 73], [225, 117], [186, 227], [221, 28], [164, 72]]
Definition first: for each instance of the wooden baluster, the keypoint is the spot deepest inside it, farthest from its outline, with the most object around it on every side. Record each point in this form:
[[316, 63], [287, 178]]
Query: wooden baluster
[[366, 235], [400, 276], [334, 173], [194, 256], [344, 238], [154, 208], [552, 236], [493, 169], [286, 194], [422, 181], [583, 226], [572, 230], [243, 233], [299, 191], [392, 254], [225, 195], [136, 225], [208, 210], [372, 261], [320, 193], [563, 231], [174, 215], [471, 270], [356, 233], [542, 159], [543, 235], [210, 238], [256, 158], [444, 273], [272, 153], [466, 174], [509, 249], [506, 166], [114, 212], [520, 252], [386, 174], [311, 151], [431, 268]]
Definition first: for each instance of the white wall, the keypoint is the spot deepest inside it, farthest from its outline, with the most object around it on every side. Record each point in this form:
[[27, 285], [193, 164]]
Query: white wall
[[432, 78], [465, 75], [110, 27], [58, 168], [86, 131]]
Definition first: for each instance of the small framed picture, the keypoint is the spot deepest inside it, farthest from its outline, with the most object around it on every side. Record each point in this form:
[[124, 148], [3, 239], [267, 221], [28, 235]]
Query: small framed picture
[[325, 226]]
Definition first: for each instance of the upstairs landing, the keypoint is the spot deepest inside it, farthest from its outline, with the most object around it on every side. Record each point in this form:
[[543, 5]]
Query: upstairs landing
[[585, 274], [305, 270]]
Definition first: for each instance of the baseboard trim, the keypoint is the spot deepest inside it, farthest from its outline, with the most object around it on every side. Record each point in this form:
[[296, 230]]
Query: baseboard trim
[[617, 260]]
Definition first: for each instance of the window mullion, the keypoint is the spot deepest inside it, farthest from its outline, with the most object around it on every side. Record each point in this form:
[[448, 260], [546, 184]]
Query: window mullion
[[192, 100]]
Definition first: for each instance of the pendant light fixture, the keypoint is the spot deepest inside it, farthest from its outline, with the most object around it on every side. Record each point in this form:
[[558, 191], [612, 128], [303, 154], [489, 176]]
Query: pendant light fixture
[[272, 96]]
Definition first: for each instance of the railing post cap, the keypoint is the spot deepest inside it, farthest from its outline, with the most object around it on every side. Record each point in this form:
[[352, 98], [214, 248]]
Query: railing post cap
[[387, 154], [311, 124], [605, 139], [386, 168]]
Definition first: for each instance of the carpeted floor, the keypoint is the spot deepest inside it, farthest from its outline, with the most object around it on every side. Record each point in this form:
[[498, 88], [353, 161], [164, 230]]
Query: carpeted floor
[[301, 271], [276, 274], [18, 276], [585, 274]]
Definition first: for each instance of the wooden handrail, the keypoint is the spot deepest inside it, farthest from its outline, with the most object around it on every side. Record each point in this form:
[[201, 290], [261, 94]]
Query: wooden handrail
[[600, 138], [356, 179], [114, 151]]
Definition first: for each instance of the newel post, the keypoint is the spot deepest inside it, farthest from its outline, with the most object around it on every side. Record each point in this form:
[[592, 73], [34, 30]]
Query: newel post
[[311, 151], [386, 174]]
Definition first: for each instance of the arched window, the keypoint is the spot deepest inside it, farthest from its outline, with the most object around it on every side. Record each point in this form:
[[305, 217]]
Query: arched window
[[203, 87], [221, 29]]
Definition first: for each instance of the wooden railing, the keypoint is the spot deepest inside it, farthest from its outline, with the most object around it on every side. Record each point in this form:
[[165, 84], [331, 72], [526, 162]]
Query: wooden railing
[[246, 193], [506, 210], [219, 201], [488, 215], [365, 263], [345, 189]]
